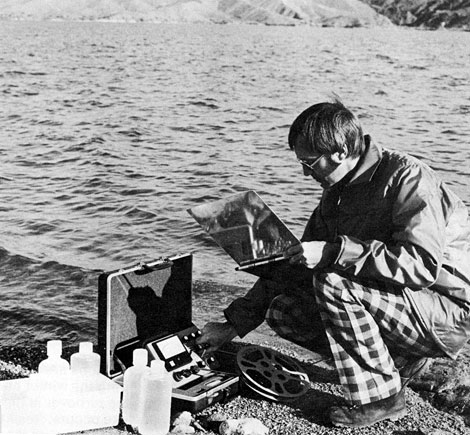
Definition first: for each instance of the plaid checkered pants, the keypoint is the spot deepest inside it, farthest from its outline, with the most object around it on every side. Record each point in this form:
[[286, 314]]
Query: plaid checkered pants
[[371, 332]]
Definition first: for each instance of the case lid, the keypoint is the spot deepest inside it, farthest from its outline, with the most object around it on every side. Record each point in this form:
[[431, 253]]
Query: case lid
[[141, 302]]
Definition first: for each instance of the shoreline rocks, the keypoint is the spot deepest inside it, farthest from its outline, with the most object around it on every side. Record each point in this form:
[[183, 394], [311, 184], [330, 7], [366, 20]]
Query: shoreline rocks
[[439, 400]]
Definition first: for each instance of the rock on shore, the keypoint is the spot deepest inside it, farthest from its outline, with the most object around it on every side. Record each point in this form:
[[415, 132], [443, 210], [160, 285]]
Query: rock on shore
[[430, 14], [340, 13]]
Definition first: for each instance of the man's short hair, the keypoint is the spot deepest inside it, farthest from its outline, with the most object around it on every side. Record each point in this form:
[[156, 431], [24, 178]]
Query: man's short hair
[[328, 128]]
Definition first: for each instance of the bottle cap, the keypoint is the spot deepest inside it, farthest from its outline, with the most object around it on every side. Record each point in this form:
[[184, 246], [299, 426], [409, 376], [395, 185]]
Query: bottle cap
[[85, 347], [54, 348], [157, 368], [140, 357]]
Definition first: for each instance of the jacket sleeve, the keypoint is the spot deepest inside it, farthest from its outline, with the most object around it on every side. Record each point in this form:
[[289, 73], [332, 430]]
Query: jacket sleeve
[[412, 257], [248, 312], [316, 228]]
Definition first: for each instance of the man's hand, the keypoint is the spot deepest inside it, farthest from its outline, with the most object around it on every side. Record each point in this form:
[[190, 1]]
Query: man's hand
[[214, 335], [307, 253]]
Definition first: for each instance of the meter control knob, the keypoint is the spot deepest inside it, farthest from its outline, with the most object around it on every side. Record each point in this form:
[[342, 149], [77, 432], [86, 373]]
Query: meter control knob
[[177, 376], [194, 369]]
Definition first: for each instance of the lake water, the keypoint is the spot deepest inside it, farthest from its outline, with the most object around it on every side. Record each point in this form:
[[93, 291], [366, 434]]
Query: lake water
[[109, 132]]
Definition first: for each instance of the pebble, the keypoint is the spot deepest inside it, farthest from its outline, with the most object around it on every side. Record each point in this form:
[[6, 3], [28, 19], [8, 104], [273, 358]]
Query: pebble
[[436, 432], [14, 369], [243, 426], [182, 429], [182, 418], [217, 416]]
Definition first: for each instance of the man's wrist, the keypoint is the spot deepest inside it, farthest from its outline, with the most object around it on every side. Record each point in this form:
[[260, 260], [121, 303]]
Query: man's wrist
[[230, 330]]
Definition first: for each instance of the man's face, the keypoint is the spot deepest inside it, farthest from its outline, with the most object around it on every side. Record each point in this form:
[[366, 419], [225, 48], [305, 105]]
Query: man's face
[[320, 167]]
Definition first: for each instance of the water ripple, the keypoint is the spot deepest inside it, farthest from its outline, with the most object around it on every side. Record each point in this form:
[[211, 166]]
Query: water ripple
[[111, 131]]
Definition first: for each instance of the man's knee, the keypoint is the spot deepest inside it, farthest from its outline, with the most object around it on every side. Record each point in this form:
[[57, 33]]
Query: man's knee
[[292, 313], [332, 286], [298, 320], [280, 312]]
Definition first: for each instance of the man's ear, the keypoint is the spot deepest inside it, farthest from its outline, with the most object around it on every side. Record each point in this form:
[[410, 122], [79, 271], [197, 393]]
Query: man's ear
[[338, 157]]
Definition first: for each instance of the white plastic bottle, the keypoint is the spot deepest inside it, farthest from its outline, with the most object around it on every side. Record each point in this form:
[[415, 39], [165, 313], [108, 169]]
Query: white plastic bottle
[[54, 364], [132, 383], [49, 388], [156, 401], [85, 361]]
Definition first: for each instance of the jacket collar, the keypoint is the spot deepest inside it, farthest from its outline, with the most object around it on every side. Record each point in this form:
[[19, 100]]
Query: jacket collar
[[368, 163]]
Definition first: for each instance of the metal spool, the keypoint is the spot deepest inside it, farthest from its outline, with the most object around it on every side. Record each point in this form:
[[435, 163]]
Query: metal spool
[[272, 374]]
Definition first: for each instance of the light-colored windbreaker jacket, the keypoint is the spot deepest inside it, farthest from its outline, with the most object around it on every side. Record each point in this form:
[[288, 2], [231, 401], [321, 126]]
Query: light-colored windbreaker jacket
[[394, 221], [397, 222]]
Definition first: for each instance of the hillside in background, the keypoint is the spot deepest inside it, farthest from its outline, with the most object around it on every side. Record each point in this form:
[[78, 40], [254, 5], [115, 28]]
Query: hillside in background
[[340, 13], [432, 14]]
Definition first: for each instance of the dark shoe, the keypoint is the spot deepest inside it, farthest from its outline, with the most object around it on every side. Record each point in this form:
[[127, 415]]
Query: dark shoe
[[390, 408], [412, 369]]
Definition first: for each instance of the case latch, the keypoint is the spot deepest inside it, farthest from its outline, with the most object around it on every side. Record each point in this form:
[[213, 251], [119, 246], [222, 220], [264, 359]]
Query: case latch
[[162, 263]]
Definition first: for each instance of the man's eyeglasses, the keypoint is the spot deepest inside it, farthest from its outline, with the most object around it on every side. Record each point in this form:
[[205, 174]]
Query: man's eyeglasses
[[308, 165]]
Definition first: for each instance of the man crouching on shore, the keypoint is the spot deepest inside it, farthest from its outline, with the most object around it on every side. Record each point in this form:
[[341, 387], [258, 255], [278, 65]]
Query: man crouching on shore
[[387, 268]]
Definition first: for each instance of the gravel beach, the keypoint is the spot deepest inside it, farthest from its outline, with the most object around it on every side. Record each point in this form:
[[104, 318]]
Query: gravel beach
[[438, 402]]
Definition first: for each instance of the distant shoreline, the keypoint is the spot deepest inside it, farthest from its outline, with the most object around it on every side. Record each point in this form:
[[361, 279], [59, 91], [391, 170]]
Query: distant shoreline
[[233, 23]]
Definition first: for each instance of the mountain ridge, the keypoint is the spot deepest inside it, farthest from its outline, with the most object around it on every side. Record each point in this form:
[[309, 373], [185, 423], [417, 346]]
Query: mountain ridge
[[335, 13], [427, 14]]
